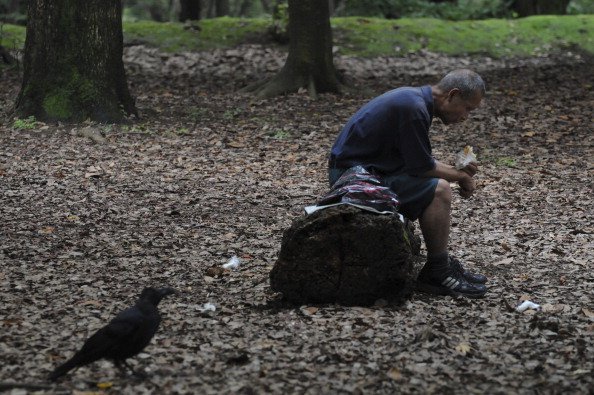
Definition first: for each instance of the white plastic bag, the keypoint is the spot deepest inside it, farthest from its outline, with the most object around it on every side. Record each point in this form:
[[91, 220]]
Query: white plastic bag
[[465, 157], [525, 305], [207, 307], [233, 263]]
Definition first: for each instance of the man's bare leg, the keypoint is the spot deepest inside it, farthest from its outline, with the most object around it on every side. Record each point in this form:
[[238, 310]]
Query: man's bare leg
[[437, 276], [435, 220]]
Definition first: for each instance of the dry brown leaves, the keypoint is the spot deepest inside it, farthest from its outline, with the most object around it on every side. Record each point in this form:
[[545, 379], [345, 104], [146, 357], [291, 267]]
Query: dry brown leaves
[[209, 174]]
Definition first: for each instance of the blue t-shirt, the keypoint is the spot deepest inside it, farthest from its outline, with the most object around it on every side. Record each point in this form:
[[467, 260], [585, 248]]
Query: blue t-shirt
[[389, 135]]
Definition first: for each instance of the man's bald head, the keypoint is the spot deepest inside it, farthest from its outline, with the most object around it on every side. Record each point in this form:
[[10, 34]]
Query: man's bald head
[[466, 81]]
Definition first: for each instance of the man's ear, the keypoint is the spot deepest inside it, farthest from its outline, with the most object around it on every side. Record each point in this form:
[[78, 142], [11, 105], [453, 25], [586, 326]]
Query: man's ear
[[452, 93]]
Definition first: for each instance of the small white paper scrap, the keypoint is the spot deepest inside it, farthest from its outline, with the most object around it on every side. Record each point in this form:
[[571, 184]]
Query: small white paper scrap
[[233, 263], [207, 307], [525, 305]]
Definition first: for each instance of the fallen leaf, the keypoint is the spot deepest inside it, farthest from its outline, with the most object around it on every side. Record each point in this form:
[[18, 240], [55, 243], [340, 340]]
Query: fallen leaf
[[215, 271], [394, 374], [463, 348], [588, 313], [505, 261], [236, 144], [91, 303], [309, 310], [105, 385], [94, 171], [524, 297]]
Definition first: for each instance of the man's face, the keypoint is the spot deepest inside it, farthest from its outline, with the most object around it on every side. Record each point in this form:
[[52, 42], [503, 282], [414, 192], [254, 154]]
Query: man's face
[[455, 109]]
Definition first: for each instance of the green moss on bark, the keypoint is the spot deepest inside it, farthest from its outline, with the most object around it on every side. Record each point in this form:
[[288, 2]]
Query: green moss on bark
[[58, 105]]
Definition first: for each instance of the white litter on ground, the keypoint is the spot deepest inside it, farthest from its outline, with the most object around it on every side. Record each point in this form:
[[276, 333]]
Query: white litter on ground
[[525, 305], [233, 263]]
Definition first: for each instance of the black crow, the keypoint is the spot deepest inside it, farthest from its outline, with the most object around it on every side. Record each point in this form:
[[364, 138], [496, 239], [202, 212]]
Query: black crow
[[125, 336]]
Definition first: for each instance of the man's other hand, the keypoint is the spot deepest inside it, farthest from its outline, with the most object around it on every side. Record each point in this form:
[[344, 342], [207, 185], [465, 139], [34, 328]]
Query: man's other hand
[[471, 169], [467, 187]]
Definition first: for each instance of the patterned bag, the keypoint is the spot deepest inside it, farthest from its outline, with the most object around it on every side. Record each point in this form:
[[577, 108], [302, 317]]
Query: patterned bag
[[360, 188]]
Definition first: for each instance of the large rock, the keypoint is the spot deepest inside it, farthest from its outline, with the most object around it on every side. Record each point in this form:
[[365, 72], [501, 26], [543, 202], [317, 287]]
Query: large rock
[[346, 255]]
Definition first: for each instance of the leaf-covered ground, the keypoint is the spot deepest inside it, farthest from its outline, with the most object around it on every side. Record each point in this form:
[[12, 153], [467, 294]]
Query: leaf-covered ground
[[90, 214]]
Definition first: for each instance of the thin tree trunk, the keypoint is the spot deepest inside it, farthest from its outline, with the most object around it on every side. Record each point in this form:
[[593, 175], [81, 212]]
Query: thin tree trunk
[[211, 9], [310, 62], [244, 8], [339, 6], [72, 67], [222, 7], [266, 6], [190, 10]]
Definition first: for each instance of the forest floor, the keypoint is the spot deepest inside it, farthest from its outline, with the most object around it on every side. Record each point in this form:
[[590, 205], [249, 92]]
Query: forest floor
[[207, 174]]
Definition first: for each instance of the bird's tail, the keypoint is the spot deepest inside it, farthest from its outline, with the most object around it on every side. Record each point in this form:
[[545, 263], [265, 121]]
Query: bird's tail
[[63, 369]]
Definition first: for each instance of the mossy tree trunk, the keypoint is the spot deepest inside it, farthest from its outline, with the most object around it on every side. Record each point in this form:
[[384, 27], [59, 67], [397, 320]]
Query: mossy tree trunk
[[72, 67], [310, 63]]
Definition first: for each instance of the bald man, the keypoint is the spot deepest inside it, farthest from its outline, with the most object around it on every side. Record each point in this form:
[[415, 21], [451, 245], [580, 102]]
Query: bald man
[[389, 136]]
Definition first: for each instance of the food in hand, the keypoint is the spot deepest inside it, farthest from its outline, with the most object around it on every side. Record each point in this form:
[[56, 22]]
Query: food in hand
[[465, 157]]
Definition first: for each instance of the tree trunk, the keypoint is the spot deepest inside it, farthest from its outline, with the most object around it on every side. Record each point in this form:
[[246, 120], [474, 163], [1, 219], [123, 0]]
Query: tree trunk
[[266, 6], [310, 62], [157, 13], [211, 9], [72, 67], [244, 8], [346, 255], [540, 7], [222, 8], [190, 10], [336, 7]]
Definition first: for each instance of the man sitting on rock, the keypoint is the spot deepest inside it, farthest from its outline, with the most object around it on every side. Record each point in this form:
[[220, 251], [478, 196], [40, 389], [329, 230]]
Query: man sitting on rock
[[389, 136]]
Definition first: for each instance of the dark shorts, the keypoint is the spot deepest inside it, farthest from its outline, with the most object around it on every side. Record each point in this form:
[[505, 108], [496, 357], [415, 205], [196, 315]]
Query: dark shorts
[[414, 193]]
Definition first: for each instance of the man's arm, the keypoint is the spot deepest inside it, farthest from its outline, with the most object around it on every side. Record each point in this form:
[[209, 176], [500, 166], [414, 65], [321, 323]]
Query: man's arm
[[449, 173]]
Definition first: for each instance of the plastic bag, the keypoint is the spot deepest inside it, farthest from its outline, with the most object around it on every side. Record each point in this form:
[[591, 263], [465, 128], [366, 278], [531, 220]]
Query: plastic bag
[[465, 157], [358, 187], [525, 305], [233, 263]]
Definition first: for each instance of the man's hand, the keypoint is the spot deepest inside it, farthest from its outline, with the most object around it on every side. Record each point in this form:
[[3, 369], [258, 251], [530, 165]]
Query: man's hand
[[467, 187], [471, 169], [463, 177]]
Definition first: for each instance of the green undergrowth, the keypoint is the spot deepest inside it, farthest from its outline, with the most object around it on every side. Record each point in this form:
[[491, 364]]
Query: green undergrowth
[[371, 36], [12, 37], [494, 37], [206, 34]]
